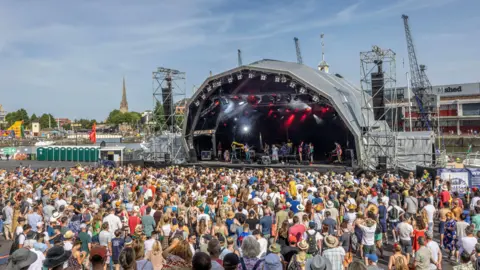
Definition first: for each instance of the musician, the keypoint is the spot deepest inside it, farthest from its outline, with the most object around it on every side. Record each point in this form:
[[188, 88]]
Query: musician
[[266, 149], [310, 152], [234, 151], [338, 151], [219, 151], [274, 152], [247, 152], [300, 151], [226, 155], [289, 147]]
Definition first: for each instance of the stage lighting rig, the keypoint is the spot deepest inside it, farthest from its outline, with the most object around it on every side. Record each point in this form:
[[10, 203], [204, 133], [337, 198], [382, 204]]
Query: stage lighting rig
[[239, 76], [302, 90], [283, 79], [209, 88], [263, 77], [277, 79], [230, 79], [288, 98], [197, 103], [292, 84], [251, 75], [315, 98], [246, 129], [203, 96]]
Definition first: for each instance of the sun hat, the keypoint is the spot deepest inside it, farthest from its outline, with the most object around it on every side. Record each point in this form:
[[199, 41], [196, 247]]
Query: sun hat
[[56, 215], [320, 263], [300, 207], [55, 256], [352, 206], [329, 204], [302, 245], [21, 258], [275, 248], [331, 241], [272, 262], [68, 235]]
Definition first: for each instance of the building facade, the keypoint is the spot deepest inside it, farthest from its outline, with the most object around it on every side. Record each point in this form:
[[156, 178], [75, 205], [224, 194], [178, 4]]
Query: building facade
[[458, 110]]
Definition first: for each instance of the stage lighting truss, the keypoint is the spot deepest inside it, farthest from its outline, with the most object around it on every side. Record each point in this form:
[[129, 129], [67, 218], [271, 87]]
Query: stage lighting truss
[[197, 103], [251, 75], [230, 79], [239, 76], [292, 84], [203, 96], [315, 98], [277, 79], [278, 98], [283, 79], [209, 88], [263, 77], [288, 98], [302, 90], [217, 84]]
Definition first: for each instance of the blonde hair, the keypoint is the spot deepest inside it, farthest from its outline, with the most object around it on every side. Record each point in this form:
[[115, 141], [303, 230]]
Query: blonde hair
[[157, 247]]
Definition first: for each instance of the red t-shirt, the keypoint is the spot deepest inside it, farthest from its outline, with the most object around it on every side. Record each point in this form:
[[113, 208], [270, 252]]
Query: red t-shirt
[[298, 230], [133, 221], [444, 197]]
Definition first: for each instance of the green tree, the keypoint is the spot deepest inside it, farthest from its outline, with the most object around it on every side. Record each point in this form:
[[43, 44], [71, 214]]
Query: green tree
[[47, 121], [86, 123], [20, 115], [67, 126], [33, 118], [116, 118]]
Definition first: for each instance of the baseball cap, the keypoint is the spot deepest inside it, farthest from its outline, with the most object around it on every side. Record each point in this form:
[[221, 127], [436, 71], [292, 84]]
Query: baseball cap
[[292, 239], [372, 257], [98, 251]]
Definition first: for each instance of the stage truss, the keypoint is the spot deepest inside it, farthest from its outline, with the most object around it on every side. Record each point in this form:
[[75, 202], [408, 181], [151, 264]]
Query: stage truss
[[168, 90], [379, 135]]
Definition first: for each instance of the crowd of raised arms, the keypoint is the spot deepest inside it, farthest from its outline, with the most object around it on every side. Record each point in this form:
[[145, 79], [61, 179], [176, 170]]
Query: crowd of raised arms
[[203, 218]]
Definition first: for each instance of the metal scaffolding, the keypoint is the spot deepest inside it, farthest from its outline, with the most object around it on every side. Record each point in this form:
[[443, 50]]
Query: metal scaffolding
[[169, 101], [378, 67]]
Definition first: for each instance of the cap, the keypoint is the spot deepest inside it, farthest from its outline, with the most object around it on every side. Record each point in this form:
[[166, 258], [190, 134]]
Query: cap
[[98, 251], [292, 239], [372, 257], [83, 226]]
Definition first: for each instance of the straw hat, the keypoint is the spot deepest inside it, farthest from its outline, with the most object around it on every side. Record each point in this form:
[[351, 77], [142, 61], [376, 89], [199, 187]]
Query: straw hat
[[330, 204], [68, 235], [303, 245], [230, 214], [300, 207], [331, 241], [275, 248], [352, 206]]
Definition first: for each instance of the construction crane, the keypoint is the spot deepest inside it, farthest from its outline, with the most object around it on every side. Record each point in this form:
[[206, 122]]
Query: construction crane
[[420, 85], [299, 53], [240, 58]]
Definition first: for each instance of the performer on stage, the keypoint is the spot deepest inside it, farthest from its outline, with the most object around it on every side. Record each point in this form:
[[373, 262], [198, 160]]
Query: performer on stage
[[219, 151], [247, 152], [226, 155], [310, 152], [274, 152], [266, 149], [300, 151], [338, 150], [234, 151]]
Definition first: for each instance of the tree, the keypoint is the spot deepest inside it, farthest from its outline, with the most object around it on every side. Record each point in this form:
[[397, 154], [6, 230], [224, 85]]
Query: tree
[[20, 115], [67, 126], [47, 121], [116, 118], [33, 118]]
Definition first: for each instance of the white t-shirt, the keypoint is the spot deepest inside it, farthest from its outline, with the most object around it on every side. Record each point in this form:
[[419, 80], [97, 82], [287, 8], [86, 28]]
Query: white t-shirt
[[21, 239], [404, 231], [368, 237], [467, 244], [19, 230], [149, 245], [114, 223], [203, 216], [38, 264], [434, 248], [67, 245], [263, 247], [430, 210]]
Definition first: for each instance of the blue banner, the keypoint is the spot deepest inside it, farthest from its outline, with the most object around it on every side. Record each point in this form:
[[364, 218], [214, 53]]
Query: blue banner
[[459, 179], [474, 177]]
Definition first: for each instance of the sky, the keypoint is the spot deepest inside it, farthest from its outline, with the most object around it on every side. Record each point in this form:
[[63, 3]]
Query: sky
[[68, 57]]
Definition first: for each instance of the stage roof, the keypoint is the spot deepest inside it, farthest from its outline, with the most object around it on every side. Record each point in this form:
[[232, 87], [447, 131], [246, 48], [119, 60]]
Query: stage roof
[[346, 98]]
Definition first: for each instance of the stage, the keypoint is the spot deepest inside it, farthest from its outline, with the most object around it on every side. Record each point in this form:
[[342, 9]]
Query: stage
[[241, 165]]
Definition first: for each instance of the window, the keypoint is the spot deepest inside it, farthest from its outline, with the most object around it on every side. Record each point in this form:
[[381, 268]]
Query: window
[[471, 109]]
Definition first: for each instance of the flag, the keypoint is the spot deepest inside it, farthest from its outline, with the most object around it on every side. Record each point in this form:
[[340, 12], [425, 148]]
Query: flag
[[469, 149], [93, 133]]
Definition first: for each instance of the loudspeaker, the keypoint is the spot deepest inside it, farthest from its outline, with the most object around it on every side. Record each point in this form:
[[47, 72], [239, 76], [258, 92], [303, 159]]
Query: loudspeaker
[[274, 161], [192, 155], [305, 162], [382, 163], [167, 99], [248, 162], [235, 161], [378, 84]]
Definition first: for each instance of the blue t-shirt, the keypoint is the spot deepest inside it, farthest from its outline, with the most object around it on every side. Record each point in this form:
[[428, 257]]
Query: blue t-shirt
[[229, 223], [316, 201], [294, 204], [382, 213], [266, 223], [117, 245]]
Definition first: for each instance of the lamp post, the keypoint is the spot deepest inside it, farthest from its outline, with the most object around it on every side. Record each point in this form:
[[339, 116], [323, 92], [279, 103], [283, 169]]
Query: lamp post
[[75, 130]]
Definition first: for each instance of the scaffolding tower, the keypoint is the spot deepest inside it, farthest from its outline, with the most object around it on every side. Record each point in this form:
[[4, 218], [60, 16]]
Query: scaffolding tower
[[379, 94], [169, 102]]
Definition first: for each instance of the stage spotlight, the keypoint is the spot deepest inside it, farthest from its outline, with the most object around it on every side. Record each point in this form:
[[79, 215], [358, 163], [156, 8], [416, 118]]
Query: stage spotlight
[[203, 96], [283, 79], [241, 103], [263, 77], [277, 79], [251, 75], [197, 103], [235, 119], [295, 98], [230, 79], [224, 101], [316, 98], [278, 98], [302, 90], [246, 128], [292, 84], [273, 99], [209, 88], [239, 76], [308, 109]]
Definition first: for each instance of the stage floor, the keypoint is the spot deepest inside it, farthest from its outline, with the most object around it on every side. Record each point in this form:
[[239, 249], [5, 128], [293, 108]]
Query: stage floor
[[305, 168]]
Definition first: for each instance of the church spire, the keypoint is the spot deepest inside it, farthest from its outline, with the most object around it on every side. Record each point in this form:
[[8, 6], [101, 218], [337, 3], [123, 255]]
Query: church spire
[[124, 103]]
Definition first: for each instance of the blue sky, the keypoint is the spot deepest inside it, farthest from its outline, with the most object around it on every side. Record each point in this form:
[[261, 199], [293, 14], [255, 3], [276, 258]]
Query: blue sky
[[68, 58]]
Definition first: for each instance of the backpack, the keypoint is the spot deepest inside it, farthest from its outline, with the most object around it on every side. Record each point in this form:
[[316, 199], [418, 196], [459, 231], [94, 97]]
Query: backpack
[[393, 214], [240, 238], [312, 243], [354, 242], [4, 216], [244, 267], [294, 264], [16, 243]]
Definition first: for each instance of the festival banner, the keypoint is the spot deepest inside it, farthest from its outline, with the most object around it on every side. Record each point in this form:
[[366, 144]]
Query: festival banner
[[459, 179], [474, 177]]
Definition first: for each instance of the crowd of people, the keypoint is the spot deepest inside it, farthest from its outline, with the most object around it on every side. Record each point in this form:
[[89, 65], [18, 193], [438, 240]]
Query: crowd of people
[[202, 218]]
